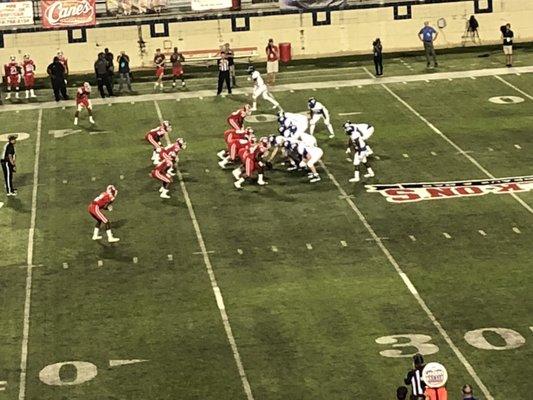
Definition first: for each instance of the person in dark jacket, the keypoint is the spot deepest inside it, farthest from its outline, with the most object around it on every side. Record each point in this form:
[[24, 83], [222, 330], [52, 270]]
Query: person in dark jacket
[[57, 72], [101, 68], [111, 65], [123, 61], [378, 56]]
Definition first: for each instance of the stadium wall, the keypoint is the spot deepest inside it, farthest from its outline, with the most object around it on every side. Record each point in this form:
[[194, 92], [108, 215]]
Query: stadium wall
[[349, 32]]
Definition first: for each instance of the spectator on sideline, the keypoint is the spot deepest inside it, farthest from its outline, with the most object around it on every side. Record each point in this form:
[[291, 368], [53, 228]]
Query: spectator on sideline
[[378, 56], [223, 73], [272, 53], [414, 378], [176, 59], [472, 29], [507, 36], [57, 72], [111, 65], [468, 393], [428, 35], [124, 70], [231, 61], [101, 69], [401, 393]]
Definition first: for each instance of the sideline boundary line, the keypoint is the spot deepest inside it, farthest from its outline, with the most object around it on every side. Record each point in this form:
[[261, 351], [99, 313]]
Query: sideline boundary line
[[214, 285], [30, 266], [281, 88], [412, 289]]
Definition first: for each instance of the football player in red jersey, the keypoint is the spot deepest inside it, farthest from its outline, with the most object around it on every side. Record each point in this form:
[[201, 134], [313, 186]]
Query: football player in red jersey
[[176, 59], [154, 138], [236, 118], [161, 173], [235, 142], [83, 101], [103, 202], [171, 152], [12, 72], [28, 67], [159, 62], [252, 163]]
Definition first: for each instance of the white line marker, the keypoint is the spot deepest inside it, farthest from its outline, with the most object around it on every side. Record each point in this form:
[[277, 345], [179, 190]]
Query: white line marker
[[119, 363], [292, 90], [170, 257], [473, 78], [405, 155], [490, 149], [100, 263], [65, 181], [65, 265], [201, 252], [450, 79], [377, 157], [178, 99], [412, 238], [93, 178], [427, 81], [359, 87], [109, 104], [411, 287], [201, 98], [132, 102], [433, 153], [274, 249], [309, 246], [404, 82], [518, 146], [482, 232], [314, 89], [516, 230], [121, 177], [453, 144], [63, 107], [240, 251], [3, 385], [135, 260], [343, 243], [514, 87], [336, 88], [212, 278], [350, 113], [446, 235], [29, 261]]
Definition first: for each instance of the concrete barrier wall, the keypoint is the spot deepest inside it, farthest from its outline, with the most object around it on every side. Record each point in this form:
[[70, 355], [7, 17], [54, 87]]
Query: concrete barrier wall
[[350, 32]]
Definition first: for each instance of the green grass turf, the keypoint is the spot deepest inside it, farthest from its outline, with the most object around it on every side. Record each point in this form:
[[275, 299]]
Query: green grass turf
[[305, 321]]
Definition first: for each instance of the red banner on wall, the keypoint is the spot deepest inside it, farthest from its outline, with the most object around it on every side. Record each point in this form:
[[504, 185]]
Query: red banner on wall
[[68, 13]]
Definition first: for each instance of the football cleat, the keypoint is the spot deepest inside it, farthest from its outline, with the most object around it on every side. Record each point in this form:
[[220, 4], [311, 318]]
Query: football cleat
[[97, 237], [236, 173], [113, 239], [315, 179]]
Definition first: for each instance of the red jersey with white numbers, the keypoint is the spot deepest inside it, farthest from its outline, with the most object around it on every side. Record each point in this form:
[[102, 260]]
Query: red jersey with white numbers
[[28, 67], [170, 152], [12, 68]]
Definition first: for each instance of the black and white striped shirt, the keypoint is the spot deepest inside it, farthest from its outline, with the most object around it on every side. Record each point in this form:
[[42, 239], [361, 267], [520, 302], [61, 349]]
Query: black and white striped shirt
[[223, 64], [414, 378]]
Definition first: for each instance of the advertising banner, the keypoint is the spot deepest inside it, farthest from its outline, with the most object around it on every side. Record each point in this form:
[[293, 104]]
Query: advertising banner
[[201, 5], [16, 13], [311, 4], [68, 13]]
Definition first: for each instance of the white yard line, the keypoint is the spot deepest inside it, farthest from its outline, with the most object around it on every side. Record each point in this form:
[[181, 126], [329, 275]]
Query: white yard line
[[368, 72], [410, 286], [280, 88], [29, 262], [454, 145], [514, 87], [214, 285]]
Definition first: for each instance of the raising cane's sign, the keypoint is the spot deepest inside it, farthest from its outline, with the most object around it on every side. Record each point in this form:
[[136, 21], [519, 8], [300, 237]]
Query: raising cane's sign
[[68, 13]]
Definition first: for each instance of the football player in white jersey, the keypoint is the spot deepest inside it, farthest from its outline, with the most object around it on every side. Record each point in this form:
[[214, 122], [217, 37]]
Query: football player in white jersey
[[363, 130], [357, 144], [300, 121], [317, 112], [260, 89], [310, 156], [292, 134]]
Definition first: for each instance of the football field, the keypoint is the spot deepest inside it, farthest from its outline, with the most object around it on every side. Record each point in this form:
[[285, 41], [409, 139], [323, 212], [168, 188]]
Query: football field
[[292, 291]]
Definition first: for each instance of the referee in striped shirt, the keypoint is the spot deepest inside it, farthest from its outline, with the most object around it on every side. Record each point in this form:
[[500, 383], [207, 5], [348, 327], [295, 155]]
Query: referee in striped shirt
[[8, 164], [414, 378], [223, 73]]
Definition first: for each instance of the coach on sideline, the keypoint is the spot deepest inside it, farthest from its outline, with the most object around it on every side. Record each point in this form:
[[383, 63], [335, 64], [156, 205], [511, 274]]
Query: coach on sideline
[[9, 164], [223, 73]]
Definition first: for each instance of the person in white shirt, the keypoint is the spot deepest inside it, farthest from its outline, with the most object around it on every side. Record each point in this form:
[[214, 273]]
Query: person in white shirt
[[260, 89], [364, 130], [359, 147], [300, 121], [317, 112]]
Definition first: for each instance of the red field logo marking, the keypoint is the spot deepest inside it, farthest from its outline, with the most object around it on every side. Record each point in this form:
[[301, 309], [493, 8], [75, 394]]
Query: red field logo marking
[[413, 192]]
